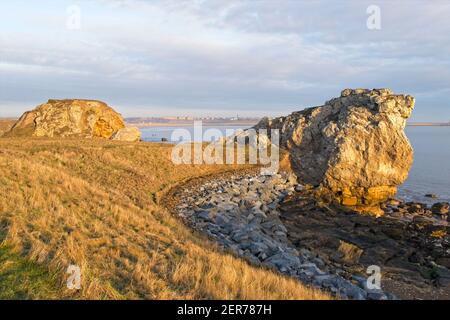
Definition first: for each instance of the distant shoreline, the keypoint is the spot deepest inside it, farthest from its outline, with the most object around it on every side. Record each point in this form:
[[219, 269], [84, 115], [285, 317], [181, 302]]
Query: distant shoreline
[[191, 123], [249, 123], [427, 124]]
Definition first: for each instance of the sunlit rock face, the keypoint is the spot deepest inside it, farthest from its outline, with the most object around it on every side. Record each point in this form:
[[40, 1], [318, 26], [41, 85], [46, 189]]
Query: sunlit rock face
[[69, 118], [353, 148], [130, 134]]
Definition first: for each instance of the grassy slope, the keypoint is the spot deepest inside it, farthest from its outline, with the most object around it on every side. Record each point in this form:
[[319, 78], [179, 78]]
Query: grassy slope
[[92, 203], [5, 125]]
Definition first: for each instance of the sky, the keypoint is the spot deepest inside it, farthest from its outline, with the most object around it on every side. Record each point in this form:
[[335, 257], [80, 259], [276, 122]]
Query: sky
[[222, 57]]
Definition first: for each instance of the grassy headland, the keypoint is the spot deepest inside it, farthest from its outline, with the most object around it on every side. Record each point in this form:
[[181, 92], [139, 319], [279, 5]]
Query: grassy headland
[[93, 203]]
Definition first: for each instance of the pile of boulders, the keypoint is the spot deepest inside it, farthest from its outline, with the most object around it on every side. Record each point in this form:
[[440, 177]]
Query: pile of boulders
[[241, 214], [438, 212]]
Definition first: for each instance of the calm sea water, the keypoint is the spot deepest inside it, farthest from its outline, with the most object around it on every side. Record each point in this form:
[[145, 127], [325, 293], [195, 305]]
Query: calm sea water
[[155, 134], [430, 172]]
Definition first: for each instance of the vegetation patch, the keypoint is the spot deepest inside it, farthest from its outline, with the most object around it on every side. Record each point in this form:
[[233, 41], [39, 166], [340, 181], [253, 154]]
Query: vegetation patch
[[23, 279]]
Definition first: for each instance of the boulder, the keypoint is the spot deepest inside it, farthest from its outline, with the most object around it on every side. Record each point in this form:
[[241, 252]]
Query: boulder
[[440, 208], [69, 118], [353, 147], [350, 253], [130, 134]]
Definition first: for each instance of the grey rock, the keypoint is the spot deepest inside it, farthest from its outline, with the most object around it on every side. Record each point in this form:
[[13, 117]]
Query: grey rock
[[222, 219], [282, 260], [279, 233], [319, 279], [355, 293], [239, 236], [378, 295], [204, 215], [258, 247]]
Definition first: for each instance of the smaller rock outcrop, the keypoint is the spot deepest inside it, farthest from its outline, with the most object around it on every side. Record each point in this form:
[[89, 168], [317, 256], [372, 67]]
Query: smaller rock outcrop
[[440, 208], [69, 118], [130, 134]]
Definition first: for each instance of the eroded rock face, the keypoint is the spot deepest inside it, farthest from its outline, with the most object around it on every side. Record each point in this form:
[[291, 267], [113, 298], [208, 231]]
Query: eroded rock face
[[353, 146], [69, 118]]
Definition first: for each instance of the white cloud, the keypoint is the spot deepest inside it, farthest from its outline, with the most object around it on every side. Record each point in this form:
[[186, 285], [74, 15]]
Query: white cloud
[[260, 56]]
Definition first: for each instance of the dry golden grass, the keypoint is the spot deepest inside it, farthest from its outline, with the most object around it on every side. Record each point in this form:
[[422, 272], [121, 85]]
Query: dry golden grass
[[5, 125], [92, 203]]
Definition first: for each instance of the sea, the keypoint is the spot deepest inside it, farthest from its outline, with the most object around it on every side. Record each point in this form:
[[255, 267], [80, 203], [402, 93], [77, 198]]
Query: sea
[[430, 173]]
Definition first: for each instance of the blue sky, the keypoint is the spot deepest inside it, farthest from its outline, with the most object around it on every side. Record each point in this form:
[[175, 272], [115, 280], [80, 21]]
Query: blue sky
[[222, 57]]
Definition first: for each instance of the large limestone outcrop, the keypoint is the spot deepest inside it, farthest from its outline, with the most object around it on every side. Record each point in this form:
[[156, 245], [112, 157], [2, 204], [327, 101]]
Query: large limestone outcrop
[[353, 148], [69, 118]]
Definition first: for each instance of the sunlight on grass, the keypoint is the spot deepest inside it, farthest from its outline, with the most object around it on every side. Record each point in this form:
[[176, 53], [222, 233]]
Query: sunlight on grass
[[94, 203]]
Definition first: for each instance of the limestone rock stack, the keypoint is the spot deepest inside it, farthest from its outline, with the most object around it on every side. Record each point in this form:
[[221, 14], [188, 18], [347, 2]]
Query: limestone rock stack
[[353, 148]]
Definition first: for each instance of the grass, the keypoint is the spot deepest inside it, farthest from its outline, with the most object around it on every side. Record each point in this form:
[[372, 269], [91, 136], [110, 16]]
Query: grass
[[23, 279], [92, 203], [5, 125]]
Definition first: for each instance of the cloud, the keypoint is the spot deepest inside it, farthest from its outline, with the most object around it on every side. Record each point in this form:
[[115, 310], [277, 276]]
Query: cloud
[[255, 57]]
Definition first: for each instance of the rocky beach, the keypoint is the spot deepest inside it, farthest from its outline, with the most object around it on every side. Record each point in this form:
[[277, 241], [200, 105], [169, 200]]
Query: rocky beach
[[274, 222], [241, 213]]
